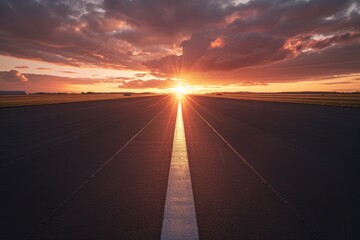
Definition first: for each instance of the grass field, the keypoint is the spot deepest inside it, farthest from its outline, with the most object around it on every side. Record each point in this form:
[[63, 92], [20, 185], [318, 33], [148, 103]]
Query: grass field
[[41, 99], [332, 99]]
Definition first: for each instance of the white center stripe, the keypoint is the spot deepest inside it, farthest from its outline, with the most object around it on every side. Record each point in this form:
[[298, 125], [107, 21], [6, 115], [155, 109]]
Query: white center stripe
[[179, 215]]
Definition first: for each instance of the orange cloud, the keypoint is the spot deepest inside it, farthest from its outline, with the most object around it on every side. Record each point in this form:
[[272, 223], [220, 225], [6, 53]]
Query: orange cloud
[[13, 76], [21, 67], [43, 68], [152, 83], [219, 42], [70, 72]]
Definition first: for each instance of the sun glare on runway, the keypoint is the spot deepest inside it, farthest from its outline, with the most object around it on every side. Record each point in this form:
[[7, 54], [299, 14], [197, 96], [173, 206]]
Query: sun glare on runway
[[180, 90]]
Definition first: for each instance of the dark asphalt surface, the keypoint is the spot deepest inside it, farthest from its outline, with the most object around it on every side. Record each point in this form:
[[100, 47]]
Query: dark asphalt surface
[[310, 154], [125, 200], [62, 175]]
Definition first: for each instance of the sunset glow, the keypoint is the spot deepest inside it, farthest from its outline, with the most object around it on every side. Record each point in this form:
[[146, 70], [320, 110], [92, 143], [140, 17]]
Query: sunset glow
[[146, 46], [179, 119], [180, 90]]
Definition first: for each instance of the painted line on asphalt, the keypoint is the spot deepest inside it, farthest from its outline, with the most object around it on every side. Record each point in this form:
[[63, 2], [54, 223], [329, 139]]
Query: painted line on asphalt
[[262, 179], [179, 215], [92, 176]]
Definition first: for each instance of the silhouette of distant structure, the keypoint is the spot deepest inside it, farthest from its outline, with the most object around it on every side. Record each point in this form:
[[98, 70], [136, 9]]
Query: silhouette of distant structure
[[12, 93]]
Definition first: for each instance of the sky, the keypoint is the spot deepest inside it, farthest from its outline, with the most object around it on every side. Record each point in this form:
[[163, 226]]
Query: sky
[[201, 45]]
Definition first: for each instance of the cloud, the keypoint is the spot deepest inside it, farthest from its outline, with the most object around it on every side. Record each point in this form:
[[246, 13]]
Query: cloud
[[152, 83], [177, 38], [140, 75], [312, 65], [336, 39], [262, 33], [331, 63], [242, 50], [13, 76], [253, 84], [43, 68], [28, 19], [19, 79], [69, 32], [22, 67], [170, 17], [43, 82], [335, 83], [70, 72]]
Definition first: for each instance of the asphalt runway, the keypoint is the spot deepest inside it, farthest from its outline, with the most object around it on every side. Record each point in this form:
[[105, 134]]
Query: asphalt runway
[[124, 200], [308, 154], [259, 170]]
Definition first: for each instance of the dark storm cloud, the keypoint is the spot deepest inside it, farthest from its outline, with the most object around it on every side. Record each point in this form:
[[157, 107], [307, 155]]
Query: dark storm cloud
[[171, 37]]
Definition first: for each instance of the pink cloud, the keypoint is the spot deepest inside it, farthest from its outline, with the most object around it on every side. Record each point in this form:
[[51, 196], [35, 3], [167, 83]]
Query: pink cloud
[[13, 76], [170, 38]]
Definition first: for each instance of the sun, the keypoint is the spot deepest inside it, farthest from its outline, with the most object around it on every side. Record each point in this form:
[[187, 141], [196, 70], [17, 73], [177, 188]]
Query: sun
[[180, 90]]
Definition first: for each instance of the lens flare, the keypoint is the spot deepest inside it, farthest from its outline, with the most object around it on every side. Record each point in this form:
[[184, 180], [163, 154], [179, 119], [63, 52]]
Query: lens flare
[[180, 90]]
